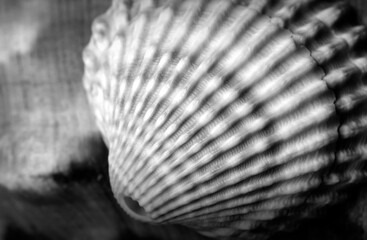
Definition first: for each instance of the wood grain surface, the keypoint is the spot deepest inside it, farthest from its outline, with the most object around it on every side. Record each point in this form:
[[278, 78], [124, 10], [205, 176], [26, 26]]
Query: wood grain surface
[[53, 163]]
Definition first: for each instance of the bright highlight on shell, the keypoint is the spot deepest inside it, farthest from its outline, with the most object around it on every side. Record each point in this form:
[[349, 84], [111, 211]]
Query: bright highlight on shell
[[236, 118]]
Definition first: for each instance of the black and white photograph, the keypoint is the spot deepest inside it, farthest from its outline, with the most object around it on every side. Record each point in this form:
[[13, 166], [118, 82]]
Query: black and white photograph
[[183, 119]]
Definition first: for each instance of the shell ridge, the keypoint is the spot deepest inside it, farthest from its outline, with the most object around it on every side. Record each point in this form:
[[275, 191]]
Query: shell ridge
[[229, 128], [132, 55], [254, 179], [327, 171], [152, 134], [156, 51], [283, 190], [209, 31], [168, 136], [202, 177], [351, 38], [237, 202], [170, 56]]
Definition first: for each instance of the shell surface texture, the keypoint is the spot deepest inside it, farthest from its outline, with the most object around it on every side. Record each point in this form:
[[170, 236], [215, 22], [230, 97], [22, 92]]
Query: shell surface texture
[[235, 118]]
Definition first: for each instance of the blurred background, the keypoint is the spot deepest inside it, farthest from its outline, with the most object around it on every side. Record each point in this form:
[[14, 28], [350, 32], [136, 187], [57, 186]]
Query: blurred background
[[53, 162]]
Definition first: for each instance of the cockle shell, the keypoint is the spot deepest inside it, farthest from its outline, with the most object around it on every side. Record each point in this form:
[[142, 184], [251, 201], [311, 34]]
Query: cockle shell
[[236, 118]]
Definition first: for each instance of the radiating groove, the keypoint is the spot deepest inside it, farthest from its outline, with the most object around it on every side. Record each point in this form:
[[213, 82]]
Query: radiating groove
[[187, 169], [227, 102], [165, 61], [182, 65], [282, 189], [132, 56], [246, 187], [230, 117], [206, 121], [209, 189], [171, 108], [185, 114], [152, 92]]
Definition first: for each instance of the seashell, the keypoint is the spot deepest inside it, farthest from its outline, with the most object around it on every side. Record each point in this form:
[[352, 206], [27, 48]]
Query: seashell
[[235, 118]]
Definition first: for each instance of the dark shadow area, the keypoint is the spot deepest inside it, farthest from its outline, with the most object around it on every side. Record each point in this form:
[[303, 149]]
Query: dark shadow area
[[333, 223], [92, 169], [82, 206], [13, 232]]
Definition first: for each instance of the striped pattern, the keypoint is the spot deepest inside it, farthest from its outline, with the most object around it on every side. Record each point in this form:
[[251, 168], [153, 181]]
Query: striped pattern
[[229, 117]]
